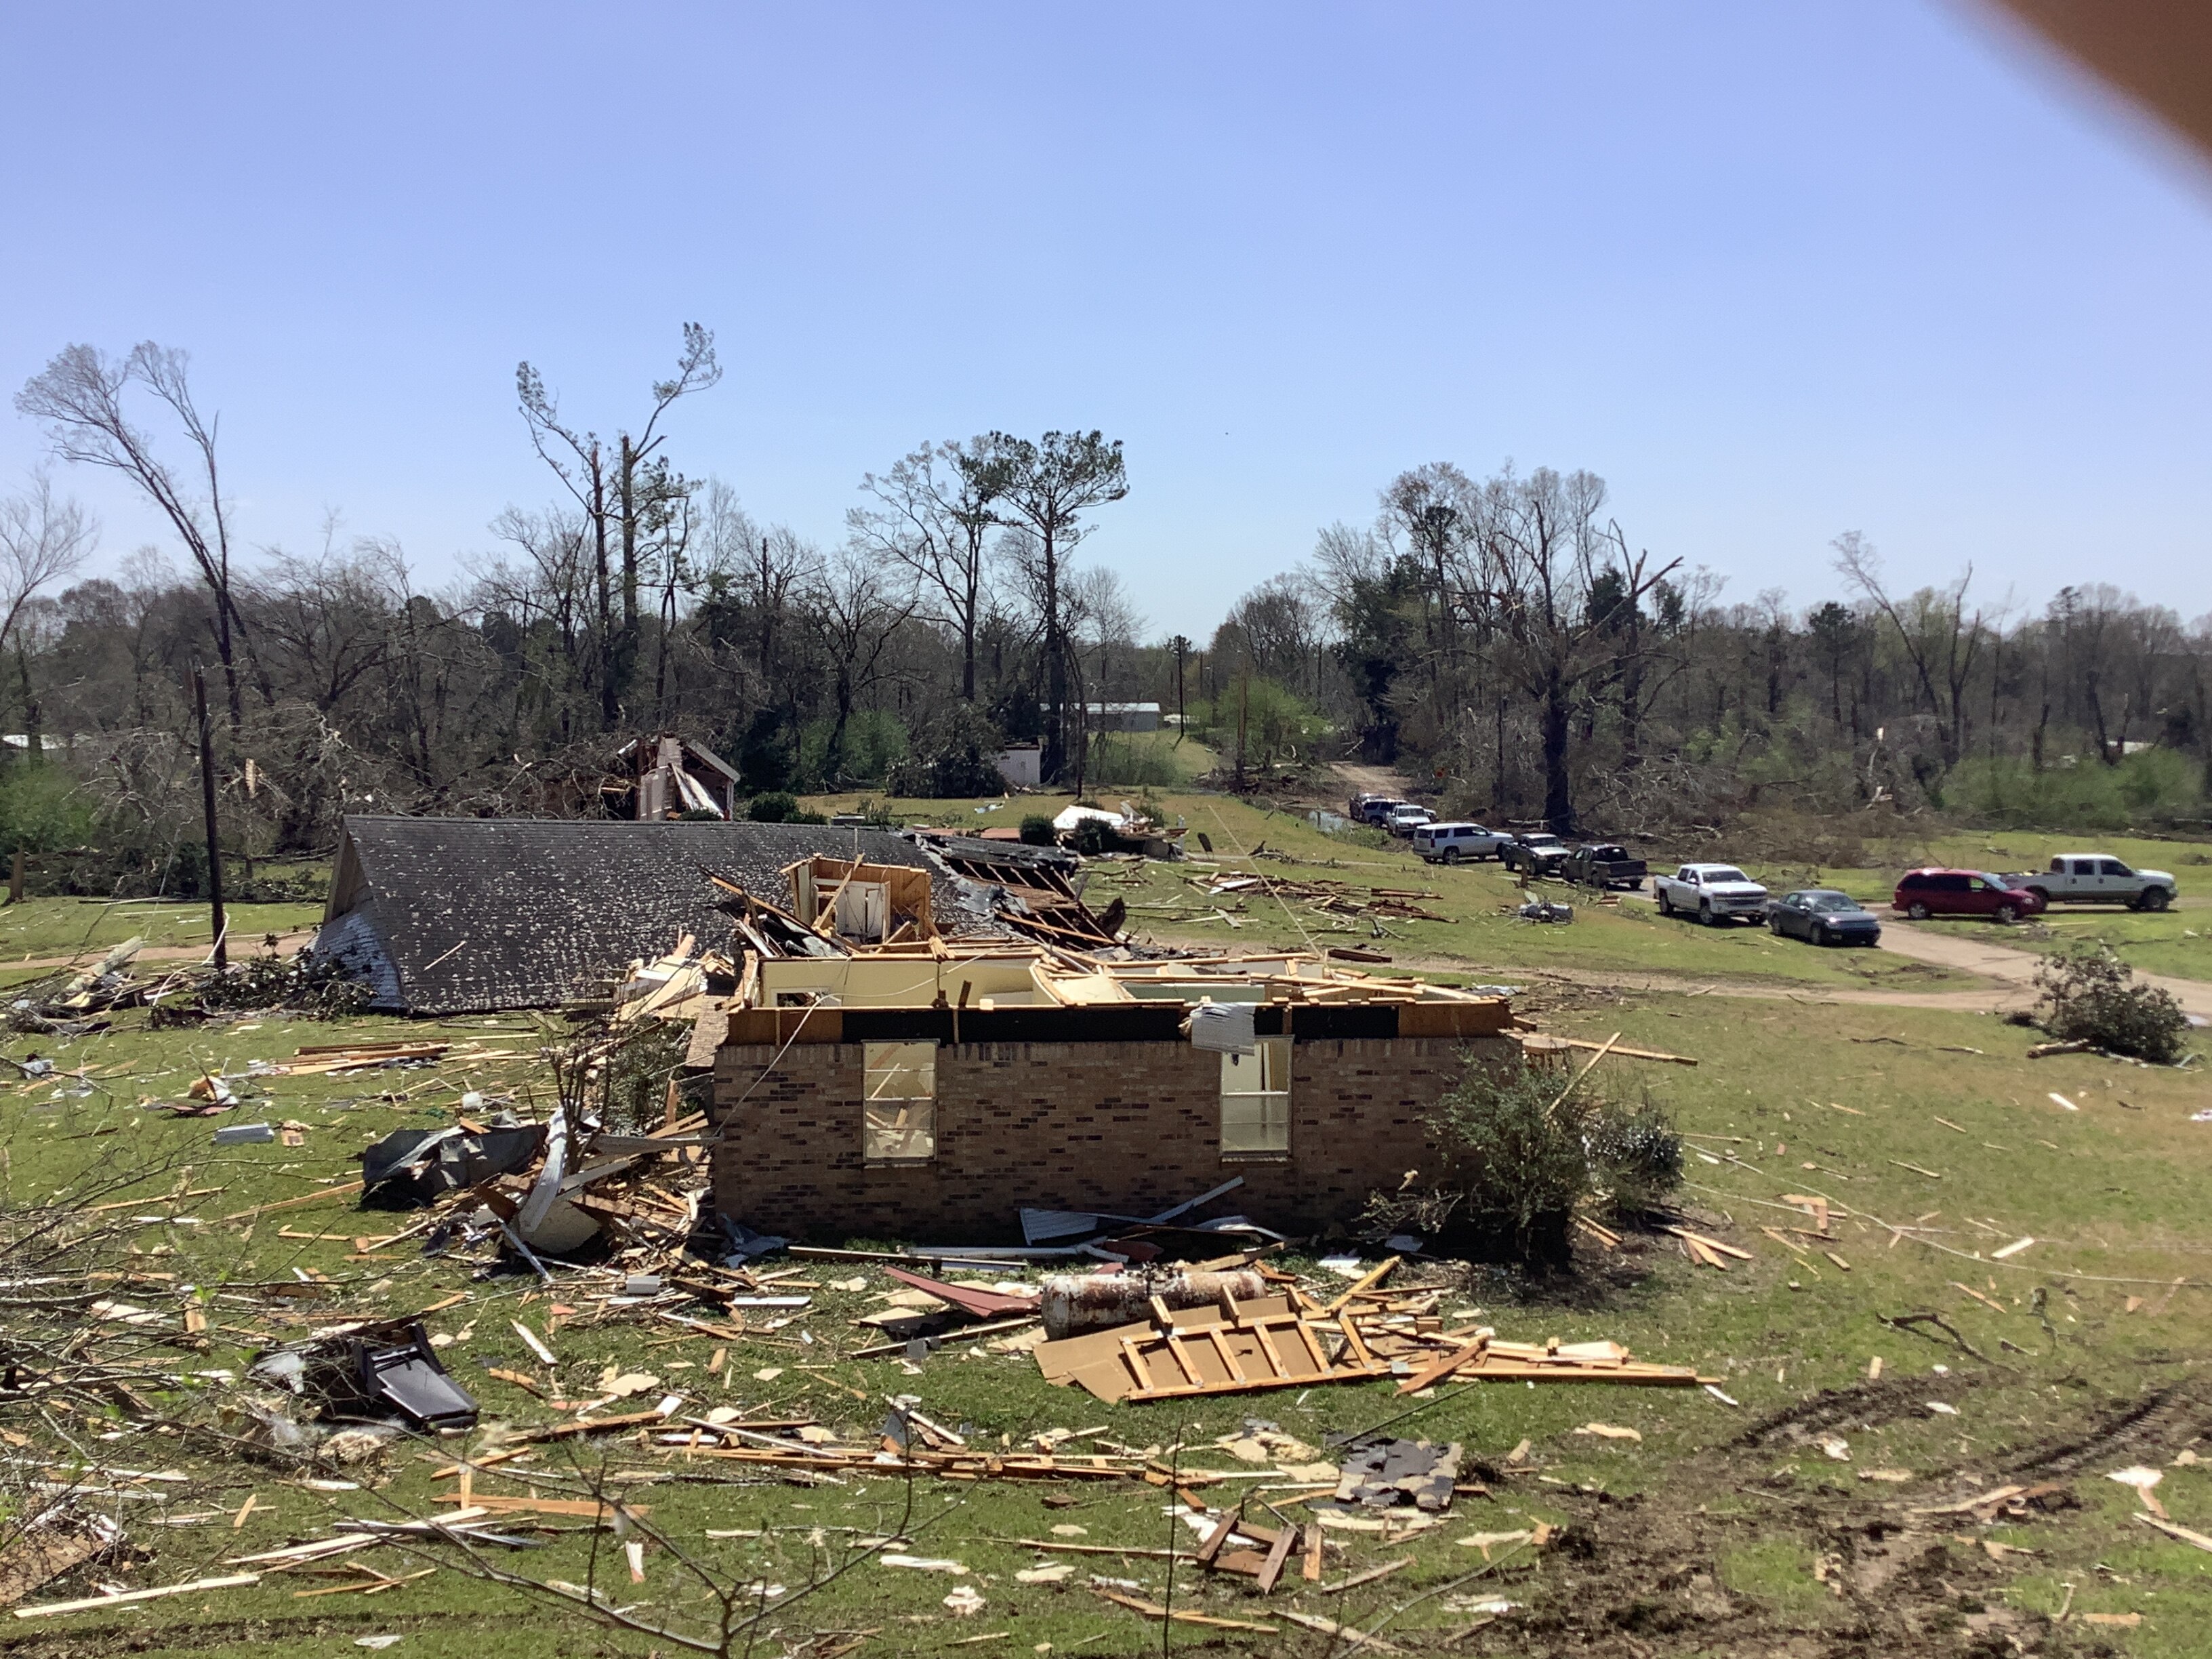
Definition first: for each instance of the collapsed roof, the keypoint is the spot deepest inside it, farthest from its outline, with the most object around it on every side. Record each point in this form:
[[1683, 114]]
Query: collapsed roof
[[461, 915]]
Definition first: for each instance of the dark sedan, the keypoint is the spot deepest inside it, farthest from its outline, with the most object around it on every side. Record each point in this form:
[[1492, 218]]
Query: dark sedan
[[1821, 915]]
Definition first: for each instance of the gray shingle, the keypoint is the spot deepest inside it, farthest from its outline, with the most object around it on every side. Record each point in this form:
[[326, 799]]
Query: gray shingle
[[456, 916]]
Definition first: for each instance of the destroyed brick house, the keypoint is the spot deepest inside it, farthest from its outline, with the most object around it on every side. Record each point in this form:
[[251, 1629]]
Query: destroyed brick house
[[928, 1091], [924, 1035]]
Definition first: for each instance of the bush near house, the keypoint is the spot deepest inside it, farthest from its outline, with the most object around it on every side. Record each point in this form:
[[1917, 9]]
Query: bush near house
[[1519, 1152]]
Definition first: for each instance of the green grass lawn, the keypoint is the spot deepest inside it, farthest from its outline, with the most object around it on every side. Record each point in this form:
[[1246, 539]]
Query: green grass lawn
[[1898, 1115], [41, 927], [1789, 1098]]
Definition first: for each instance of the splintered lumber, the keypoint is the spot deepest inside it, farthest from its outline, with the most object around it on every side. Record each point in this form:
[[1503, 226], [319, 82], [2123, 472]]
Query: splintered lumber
[[1249, 1352], [1367, 1576], [1209, 1549], [1181, 1615], [2197, 1540], [1709, 1242], [1061, 1547], [947, 1465], [1570, 1362], [591, 1509], [1617, 1048], [588, 1425], [235, 1580], [340, 1191], [1351, 1636], [1438, 1368], [1279, 1553], [1366, 1281]]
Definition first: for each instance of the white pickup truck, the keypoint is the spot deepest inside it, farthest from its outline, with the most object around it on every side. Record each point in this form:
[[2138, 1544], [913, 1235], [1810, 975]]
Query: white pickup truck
[[1713, 893], [2098, 877]]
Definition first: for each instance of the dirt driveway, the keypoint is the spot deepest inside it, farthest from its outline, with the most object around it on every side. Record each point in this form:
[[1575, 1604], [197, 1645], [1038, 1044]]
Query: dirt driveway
[[2017, 968], [2013, 970]]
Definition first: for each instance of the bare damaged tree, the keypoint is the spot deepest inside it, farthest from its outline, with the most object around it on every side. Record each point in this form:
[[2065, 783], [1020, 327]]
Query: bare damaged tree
[[1542, 555], [1438, 509], [620, 492], [1941, 640], [79, 397], [1048, 485], [852, 610], [42, 539], [933, 512]]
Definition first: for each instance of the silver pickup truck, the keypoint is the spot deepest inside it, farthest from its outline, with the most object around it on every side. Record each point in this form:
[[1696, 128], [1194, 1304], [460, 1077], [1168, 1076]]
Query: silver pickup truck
[[2098, 877], [1713, 893]]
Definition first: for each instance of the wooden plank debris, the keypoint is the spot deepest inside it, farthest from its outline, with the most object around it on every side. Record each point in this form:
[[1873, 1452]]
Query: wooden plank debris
[[45, 1609], [1182, 1615]]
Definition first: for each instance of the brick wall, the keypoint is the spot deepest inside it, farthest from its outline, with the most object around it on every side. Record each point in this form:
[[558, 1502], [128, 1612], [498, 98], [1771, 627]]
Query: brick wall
[[1130, 1128]]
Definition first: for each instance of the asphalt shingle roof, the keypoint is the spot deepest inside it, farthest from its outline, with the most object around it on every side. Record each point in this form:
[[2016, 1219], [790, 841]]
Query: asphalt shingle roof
[[455, 915]]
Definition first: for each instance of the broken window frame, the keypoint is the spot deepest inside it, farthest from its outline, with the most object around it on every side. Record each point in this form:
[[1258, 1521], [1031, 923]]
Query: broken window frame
[[1255, 1122], [898, 1128]]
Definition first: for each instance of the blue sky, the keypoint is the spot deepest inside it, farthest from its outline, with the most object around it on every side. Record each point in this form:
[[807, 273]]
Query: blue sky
[[1775, 272]]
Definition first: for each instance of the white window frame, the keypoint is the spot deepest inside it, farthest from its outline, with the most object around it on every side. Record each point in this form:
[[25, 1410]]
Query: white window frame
[[898, 1103], [1255, 1101]]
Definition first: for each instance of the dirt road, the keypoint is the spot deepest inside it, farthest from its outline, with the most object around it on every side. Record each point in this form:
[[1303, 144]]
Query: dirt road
[[1367, 780]]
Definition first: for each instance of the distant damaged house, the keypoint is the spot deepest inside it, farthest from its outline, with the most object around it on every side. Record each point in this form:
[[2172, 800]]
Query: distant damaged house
[[463, 915]]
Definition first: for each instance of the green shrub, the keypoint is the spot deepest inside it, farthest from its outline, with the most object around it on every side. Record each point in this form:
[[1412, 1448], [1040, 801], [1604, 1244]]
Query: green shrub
[[775, 807], [41, 808], [1132, 760], [2152, 787], [1518, 1152], [2089, 995], [875, 739], [1038, 830]]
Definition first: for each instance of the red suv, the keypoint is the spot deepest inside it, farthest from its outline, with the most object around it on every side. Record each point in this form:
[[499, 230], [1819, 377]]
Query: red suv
[[1925, 893]]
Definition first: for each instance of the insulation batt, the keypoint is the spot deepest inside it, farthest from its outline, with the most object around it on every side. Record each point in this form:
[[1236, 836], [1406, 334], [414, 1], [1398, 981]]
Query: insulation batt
[[1075, 1302]]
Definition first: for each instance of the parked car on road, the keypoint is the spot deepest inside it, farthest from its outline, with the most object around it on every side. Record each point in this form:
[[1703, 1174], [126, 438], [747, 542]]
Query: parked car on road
[[2100, 878], [1924, 893], [1449, 843], [1536, 853], [1405, 818], [1821, 915], [1375, 809], [1355, 808], [1604, 864], [1713, 893]]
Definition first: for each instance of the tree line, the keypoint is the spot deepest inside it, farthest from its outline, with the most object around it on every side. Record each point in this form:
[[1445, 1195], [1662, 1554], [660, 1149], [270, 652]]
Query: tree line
[[1508, 641], [1504, 641]]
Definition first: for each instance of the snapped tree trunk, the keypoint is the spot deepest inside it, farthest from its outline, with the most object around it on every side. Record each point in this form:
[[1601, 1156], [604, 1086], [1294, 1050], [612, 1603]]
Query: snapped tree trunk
[[1054, 758], [1558, 790]]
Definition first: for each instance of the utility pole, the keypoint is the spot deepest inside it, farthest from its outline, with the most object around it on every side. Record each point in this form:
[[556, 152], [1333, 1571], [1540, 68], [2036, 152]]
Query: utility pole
[[207, 806], [1244, 703], [1181, 647]]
